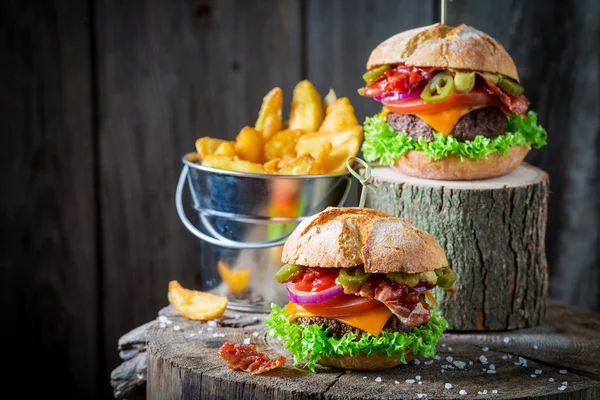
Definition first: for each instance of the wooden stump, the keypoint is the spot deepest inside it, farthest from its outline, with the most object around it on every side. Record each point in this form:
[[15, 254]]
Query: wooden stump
[[493, 233], [182, 363]]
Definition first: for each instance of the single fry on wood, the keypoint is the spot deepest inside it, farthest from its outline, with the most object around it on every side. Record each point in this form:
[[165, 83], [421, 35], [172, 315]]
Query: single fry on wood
[[196, 305]]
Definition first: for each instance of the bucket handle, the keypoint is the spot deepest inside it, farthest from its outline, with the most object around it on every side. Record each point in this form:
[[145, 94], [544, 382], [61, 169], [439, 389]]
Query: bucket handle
[[219, 240]]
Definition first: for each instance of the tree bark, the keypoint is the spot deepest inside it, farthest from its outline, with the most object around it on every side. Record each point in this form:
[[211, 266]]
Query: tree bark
[[493, 234]]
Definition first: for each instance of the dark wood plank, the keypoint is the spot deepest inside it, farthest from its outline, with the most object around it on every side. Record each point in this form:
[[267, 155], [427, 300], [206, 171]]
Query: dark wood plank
[[48, 262], [556, 47], [182, 360], [170, 72]]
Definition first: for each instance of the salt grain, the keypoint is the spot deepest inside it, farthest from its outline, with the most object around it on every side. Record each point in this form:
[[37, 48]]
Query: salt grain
[[505, 357], [523, 361], [163, 325], [247, 341], [483, 359], [177, 328], [538, 371], [491, 371], [199, 332], [562, 387], [550, 379], [563, 371], [348, 371], [462, 392], [396, 382], [485, 349], [428, 362], [420, 383], [449, 348], [484, 391], [535, 347], [378, 379], [169, 322], [448, 386], [410, 381], [494, 391], [218, 335], [255, 334], [484, 369], [492, 366], [163, 319], [417, 361], [565, 383], [418, 377], [236, 316], [449, 359], [506, 340], [192, 334], [459, 364], [443, 344], [421, 395], [533, 375], [212, 323], [210, 328], [470, 362], [436, 357], [140, 376], [364, 377]]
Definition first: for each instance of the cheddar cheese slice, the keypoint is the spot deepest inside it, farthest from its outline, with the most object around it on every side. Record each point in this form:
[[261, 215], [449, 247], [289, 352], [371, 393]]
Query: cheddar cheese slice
[[370, 321], [443, 122]]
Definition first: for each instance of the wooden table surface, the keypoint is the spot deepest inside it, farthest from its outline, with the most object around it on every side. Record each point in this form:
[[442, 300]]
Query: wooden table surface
[[173, 357]]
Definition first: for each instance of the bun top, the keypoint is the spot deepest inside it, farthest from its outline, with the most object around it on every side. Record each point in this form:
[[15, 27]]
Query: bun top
[[443, 46], [344, 237]]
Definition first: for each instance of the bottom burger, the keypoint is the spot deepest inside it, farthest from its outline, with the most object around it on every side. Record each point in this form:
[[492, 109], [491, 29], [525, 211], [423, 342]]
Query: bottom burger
[[359, 284]]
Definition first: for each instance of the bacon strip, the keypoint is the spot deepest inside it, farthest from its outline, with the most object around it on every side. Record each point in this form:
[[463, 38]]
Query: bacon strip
[[403, 301], [245, 357], [518, 105]]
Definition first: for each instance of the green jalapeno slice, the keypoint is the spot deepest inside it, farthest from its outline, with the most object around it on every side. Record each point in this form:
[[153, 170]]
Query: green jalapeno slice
[[375, 73], [287, 272], [446, 277], [352, 277], [439, 89]]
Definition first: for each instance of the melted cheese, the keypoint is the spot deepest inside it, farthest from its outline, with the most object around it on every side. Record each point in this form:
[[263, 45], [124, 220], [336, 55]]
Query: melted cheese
[[384, 112], [443, 122], [369, 321]]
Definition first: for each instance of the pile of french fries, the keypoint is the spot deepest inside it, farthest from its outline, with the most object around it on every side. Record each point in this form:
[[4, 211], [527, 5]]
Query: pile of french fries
[[318, 138]]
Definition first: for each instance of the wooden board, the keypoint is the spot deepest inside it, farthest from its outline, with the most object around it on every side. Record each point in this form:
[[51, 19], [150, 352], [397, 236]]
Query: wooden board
[[492, 232], [182, 363], [169, 73], [48, 219]]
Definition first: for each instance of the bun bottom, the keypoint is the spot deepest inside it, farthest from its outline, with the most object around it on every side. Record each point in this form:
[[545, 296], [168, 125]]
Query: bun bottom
[[415, 163], [374, 362]]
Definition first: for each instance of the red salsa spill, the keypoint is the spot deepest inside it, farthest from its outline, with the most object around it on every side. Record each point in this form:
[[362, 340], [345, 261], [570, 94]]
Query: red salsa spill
[[246, 358]]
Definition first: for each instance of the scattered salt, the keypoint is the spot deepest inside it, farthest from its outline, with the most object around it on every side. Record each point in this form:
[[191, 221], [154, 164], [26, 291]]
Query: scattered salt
[[163, 319], [396, 382], [140, 376], [484, 391], [421, 395], [492, 366], [535, 347], [506, 340], [565, 383], [255, 334], [491, 371], [449, 348], [562, 387], [169, 322], [364, 377], [448, 386], [563, 371], [163, 325], [483, 359], [550, 379], [523, 361], [200, 332], [378, 379], [533, 375], [470, 362], [485, 349], [218, 335], [538, 371], [428, 362], [484, 369], [449, 359], [210, 328], [417, 361], [348, 371], [443, 344], [418, 377], [462, 392], [420, 382], [236, 316], [247, 341], [436, 357], [459, 364], [494, 391], [192, 334], [505, 357], [410, 381], [177, 328], [212, 324]]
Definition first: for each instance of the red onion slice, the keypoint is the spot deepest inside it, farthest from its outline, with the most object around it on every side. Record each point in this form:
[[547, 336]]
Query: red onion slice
[[398, 96], [301, 297]]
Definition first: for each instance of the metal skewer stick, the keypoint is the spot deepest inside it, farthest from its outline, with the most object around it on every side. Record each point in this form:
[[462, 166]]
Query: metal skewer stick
[[443, 9]]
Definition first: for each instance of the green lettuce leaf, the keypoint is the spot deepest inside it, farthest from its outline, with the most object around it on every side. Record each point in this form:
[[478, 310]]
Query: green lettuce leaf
[[384, 145], [311, 342]]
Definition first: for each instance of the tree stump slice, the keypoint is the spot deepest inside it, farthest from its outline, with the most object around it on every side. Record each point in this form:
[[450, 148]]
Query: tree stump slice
[[493, 234], [182, 363]]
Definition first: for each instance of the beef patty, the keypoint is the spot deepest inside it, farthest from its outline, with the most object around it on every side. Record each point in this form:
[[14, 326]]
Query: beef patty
[[487, 121], [339, 329]]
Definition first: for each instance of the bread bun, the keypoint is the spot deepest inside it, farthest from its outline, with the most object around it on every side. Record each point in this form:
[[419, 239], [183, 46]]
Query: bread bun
[[443, 46], [416, 163], [344, 237], [374, 362]]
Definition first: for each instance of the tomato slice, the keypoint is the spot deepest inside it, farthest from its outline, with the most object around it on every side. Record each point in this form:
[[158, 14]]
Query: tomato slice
[[419, 106], [344, 304], [316, 279]]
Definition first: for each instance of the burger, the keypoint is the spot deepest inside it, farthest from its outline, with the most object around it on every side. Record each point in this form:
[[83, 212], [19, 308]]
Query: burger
[[359, 283], [453, 105]]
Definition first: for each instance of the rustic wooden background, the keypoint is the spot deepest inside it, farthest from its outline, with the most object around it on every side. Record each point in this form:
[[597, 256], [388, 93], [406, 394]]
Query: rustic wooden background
[[100, 99]]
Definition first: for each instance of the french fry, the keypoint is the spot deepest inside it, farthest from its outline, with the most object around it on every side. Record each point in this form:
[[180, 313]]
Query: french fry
[[194, 304], [329, 99], [340, 116], [311, 143], [335, 161], [304, 165], [206, 146], [306, 109], [226, 149], [249, 145], [269, 116], [272, 166], [232, 164], [283, 144]]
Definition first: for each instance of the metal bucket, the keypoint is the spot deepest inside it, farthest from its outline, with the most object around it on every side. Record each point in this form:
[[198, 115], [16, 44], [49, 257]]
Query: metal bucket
[[242, 222]]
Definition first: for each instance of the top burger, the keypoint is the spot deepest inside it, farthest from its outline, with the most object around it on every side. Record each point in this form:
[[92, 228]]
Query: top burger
[[453, 107]]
